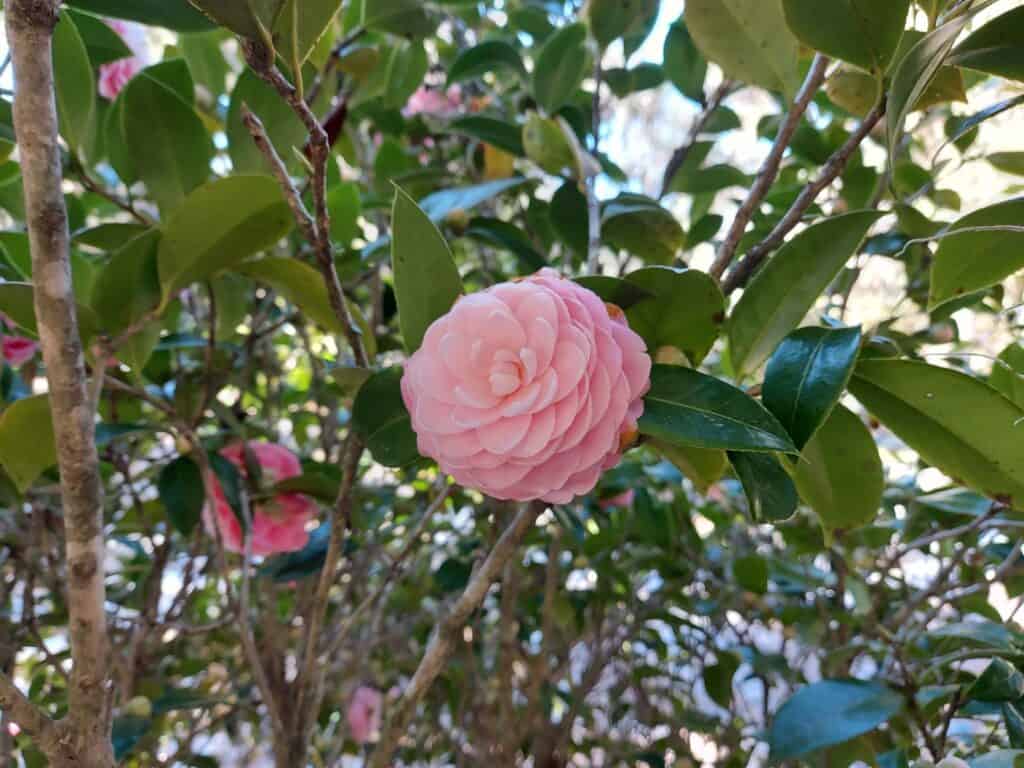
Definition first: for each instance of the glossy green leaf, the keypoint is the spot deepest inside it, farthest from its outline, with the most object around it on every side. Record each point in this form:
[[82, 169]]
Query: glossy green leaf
[[718, 677], [684, 66], [616, 290], [379, 416], [178, 15], [1000, 681], [1007, 162], [640, 225], [642, 77], [221, 224], [611, 19], [830, 712], [771, 495], [404, 18], [686, 312], [285, 130], [300, 25], [560, 67], [505, 136], [748, 39], [74, 85], [438, 205], [488, 56], [913, 75], [862, 32], [839, 474], [17, 302], [688, 408], [1008, 374], [968, 262], [183, 493], [248, 18], [205, 59], [779, 297], [103, 44], [996, 48], [954, 421], [509, 237], [344, 206], [25, 459], [167, 141], [703, 467], [128, 287], [427, 282], [807, 375], [108, 237]]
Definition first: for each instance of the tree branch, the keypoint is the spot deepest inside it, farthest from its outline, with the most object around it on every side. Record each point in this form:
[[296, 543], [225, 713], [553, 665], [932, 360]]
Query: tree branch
[[448, 631], [28, 716], [770, 169], [829, 173], [30, 25], [684, 149]]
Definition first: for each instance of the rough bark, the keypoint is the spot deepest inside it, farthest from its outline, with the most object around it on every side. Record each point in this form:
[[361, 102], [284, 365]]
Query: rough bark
[[86, 731]]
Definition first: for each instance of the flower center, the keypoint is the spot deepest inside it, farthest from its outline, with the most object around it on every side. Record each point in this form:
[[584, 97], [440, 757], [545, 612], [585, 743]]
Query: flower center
[[510, 371]]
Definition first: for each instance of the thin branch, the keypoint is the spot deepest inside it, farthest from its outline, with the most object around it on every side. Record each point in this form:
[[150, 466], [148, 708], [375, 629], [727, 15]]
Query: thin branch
[[98, 189], [28, 716], [593, 203], [829, 173], [770, 170], [448, 630], [683, 151]]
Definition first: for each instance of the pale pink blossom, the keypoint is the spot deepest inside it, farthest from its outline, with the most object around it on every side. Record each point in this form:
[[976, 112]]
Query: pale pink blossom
[[279, 524], [17, 350], [364, 714], [528, 390], [434, 101], [114, 76], [624, 499]]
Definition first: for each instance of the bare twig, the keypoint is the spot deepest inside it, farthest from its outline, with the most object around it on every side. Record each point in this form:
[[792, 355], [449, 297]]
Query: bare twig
[[593, 203], [828, 174], [770, 170], [684, 149]]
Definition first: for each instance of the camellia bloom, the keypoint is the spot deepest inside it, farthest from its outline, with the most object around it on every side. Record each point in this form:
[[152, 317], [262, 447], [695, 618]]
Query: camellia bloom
[[528, 390], [364, 714], [433, 101], [17, 350], [114, 75], [278, 525]]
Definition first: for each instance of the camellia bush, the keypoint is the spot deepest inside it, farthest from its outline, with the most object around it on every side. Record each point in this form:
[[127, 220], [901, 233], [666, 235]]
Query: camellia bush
[[482, 382]]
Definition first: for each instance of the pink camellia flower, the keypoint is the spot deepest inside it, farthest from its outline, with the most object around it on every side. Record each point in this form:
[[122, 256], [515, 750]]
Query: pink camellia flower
[[278, 525], [624, 499], [364, 714], [528, 390], [433, 101], [114, 76], [17, 350]]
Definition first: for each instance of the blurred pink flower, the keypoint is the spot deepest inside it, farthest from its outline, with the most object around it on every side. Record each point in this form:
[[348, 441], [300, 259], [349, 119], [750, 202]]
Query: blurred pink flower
[[18, 350], [279, 524], [114, 76], [364, 714], [624, 499], [433, 101], [528, 390]]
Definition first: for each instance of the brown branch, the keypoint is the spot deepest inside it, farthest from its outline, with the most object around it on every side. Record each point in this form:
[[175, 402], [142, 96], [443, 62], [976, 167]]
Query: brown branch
[[829, 173], [770, 169], [30, 25], [683, 151], [44, 731], [448, 631]]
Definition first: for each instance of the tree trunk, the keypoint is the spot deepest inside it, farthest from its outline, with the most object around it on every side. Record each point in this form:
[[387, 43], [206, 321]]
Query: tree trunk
[[85, 734]]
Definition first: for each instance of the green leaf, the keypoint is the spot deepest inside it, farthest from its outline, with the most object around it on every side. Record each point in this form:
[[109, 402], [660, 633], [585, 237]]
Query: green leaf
[[996, 47], [718, 676], [830, 712], [486, 57], [568, 216], [168, 144], [640, 225], [438, 205], [840, 475], [985, 634], [954, 421], [1007, 162], [970, 261], [786, 288], [101, 41], [751, 573], [344, 206], [684, 66], [407, 65], [304, 287], [748, 39], [17, 302], [307, 562], [1008, 377], [912, 76], [611, 19], [427, 282], [128, 287], [111, 236], [1000, 758], [1014, 725], [300, 25], [74, 84], [999, 682], [248, 18], [221, 224], [404, 18], [503, 135], [862, 32], [509, 237], [615, 290], [642, 77], [284, 129], [807, 375], [685, 407], [686, 312], [701, 466], [771, 495], [205, 59], [173, 14], [560, 67], [25, 459], [379, 416], [182, 493]]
